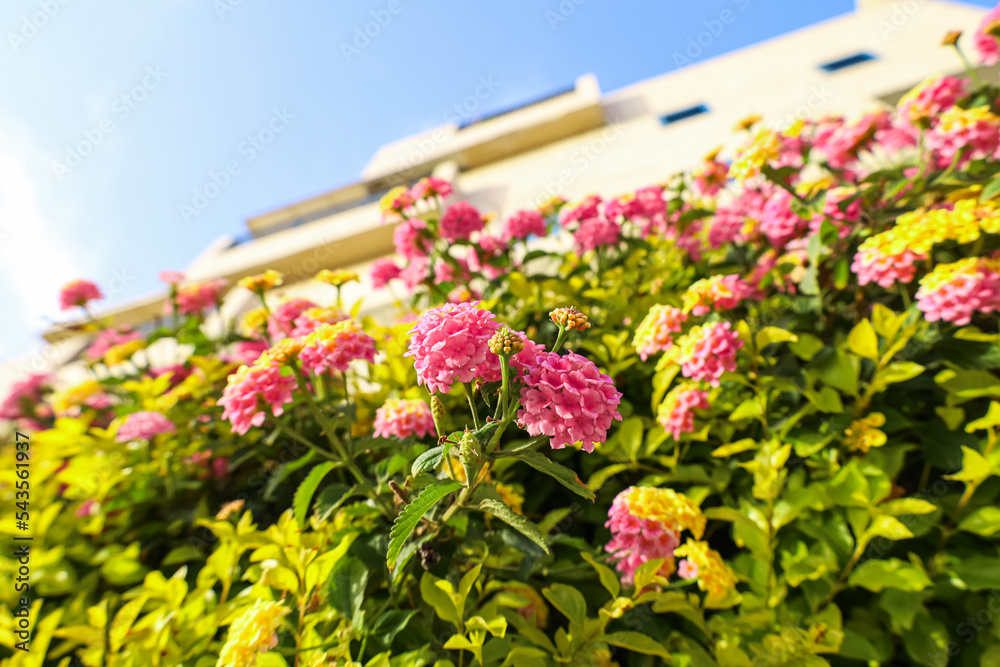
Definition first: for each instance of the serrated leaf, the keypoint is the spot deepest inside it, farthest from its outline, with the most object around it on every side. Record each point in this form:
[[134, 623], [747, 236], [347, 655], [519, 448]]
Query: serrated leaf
[[411, 515], [428, 460], [306, 490], [516, 521], [561, 474]]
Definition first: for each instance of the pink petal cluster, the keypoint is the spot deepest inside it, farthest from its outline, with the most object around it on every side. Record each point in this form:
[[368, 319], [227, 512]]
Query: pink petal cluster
[[595, 233], [409, 240], [402, 418], [283, 316], [590, 207], [717, 293], [247, 351], [171, 277], [841, 142], [383, 270], [449, 344], [78, 293], [654, 333], [779, 223], [313, 319], [429, 187], [955, 292], [415, 272], [196, 298], [636, 540], [567, 398], [676, 412], [835, 210], [24, 397], [523, 224], [871, 265], [974, 131], [707, 352], [445, 272], [986, 44], [143, 426], [710, 177], [107, 339], [646, 206], [730, 219], [247, 387], [332, 347], [460, 220], [931, 98]]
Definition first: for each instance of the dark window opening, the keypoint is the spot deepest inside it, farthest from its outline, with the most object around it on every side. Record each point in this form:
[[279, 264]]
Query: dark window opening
[[683, 114], [849, 61]]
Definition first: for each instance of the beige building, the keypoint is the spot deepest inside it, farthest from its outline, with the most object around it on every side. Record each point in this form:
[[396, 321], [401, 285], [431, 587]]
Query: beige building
[[578, 141]]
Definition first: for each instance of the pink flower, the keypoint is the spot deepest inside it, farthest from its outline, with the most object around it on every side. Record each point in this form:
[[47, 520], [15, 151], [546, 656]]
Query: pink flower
[[717, 293], [247, 352], [283, 317], [107, 339], [382, 271], [779, 223], [178, 373], [930, 98], [687, 570], [429, 187], [635, 539], [247, 387], [957, 291], [842, 142], [402, 418], [731, 218], [194, 299], [332, 347], [654, 332], [171, 277], [24, 396], [78, 293], [985, 43], [88, 507], [460, 221], [676, 412], [449, 344], [313, 319], [974, 131], [595, 233], [710, 177], [588, 208], [220, 467], [445, 272], [567, 398], [523, 224], [707, 352], [871, 265], [409, 240], [143, 426], [415, 272]]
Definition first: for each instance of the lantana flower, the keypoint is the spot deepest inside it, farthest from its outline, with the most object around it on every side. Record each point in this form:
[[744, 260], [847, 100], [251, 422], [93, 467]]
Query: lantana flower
[[402, 418]]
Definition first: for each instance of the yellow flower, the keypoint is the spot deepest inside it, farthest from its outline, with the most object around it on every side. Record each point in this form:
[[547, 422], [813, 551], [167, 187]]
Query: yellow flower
[[748, 122], [253, 322], [251, 634], [121, 353], [286, 349], [338, 277], [389, 201], [714, 576], [919, 231], [66, 399], [947, 273], [986, 214], [674, 510], [262, 282], [229, 509], [957, 119], [763, 148], [863, 434], [512, 498]]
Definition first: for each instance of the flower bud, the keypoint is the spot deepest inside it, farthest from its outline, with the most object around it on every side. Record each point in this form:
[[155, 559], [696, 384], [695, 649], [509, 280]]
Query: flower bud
[[951, 38], [505, 342], [262, 282], [569, 319], [468, 454]]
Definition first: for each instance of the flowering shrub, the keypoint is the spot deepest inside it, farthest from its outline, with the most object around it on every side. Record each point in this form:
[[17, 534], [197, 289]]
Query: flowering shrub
[[747, 416]]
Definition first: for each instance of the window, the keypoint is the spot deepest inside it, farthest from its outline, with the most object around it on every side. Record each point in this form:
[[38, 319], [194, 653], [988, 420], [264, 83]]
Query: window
[[683, 114], [849, 61]]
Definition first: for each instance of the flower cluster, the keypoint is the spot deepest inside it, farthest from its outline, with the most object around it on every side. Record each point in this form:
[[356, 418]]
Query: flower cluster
[[402, 418], [459, 221], [676, 412], [332, 347], [262, 282], [707, 351], [957, 291], [263, 380], [79, 293], [654, 333], [143, 426], [196, 298], [716, 293], [707, 567], [253, 633]]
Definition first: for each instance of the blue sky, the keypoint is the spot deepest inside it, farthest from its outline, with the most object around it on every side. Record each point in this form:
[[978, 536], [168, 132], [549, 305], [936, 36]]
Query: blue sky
[[161, 93]]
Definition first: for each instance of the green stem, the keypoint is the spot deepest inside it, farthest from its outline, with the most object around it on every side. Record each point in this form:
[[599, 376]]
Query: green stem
[[472, 405], [295, 435], [560, 339]]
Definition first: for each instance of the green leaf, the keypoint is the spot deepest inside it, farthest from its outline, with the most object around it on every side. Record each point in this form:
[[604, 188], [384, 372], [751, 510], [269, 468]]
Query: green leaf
[[304, 494], [886, 322], [744, 445], [975, 468], [901, 506], [561, 474], [863, 341], [411, 515], [984, 521], [769, 335], [346, 586], [806, 346], [748, 409], [332, 497], [391, 623], [887, 526], [598, 479], [840, 371], [437, 597], [989, 420], [877, 575], [969, 383], [630, 436], [978, 572], [283, 471], [898, 371], [496, 626], [638, 642], [991, 190], [428, 460], [607, 576], [569, 601], [515, 521]]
